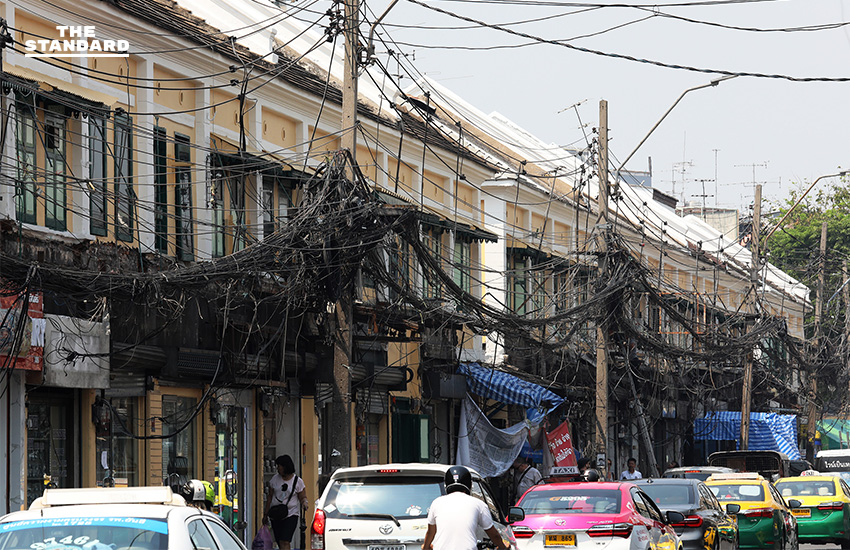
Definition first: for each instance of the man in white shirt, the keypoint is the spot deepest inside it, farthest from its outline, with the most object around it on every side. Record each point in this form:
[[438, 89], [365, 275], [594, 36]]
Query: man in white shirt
[[632, 472], [454, 518], [525, 476]]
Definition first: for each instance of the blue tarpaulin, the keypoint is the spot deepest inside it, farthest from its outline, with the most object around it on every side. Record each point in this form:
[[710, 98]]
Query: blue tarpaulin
[[768, 431], [508, 389]]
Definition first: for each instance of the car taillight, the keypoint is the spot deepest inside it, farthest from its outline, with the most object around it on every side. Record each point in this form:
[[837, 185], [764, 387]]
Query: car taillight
[[690, 521], [610, 530], [317, 537], [389, 471], [837, 505], [522, 532], [758, 513]]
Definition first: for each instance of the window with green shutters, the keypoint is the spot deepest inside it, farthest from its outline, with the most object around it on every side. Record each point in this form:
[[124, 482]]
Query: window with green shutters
[[160, 179], [124, 194], [25, 151], [97, 189]]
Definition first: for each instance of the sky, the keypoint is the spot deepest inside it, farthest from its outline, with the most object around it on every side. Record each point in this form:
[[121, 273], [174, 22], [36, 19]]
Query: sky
[[772, 131]]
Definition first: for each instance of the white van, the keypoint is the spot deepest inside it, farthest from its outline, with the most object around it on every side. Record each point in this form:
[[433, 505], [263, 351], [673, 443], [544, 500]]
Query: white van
[[385, 507]]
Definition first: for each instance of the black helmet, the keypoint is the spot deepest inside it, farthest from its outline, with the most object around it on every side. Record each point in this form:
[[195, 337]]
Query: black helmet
[[591, 475], [458, 478]]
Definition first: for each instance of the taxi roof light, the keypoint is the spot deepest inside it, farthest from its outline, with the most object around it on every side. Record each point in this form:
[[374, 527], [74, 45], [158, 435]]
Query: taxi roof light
[[736, 476], [108, 495]]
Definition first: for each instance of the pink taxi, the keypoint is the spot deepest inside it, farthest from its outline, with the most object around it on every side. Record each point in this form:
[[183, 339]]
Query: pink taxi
[[585, 515]]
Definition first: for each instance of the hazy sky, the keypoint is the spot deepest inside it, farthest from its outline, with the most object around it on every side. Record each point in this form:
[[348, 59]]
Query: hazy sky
[[792, 131]]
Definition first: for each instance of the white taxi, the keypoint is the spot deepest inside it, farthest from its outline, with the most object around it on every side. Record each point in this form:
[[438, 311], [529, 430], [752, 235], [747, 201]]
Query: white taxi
[[114, 518]]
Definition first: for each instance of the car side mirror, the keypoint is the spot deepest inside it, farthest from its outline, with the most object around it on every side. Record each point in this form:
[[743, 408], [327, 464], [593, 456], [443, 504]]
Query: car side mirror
[[794, 503], [733, 509], [674, 517], [515, 513]]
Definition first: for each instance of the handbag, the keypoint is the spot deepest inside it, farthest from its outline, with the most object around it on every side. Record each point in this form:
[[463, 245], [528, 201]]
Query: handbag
[[280, 512], [263, 540]]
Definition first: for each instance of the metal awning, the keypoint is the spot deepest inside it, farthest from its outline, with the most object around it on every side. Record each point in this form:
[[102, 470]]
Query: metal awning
[[464, 231], [48, 83]]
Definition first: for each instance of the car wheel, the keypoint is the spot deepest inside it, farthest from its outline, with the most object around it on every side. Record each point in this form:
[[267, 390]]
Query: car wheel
[[845, 544]]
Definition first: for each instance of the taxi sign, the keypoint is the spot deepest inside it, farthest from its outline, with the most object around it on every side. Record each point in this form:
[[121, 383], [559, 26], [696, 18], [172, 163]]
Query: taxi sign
[[809, 473], [563, 470], [736, 476]]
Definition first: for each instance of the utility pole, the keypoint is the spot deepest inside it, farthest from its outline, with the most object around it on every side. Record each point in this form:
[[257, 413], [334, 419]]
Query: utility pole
[[340, 454], [813, 379], [746, 390], [602, 266], [846, 296]]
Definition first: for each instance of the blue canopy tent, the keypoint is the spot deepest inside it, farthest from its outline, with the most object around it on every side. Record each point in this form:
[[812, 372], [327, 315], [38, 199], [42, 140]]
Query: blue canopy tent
[[768, 431], [507, 388]]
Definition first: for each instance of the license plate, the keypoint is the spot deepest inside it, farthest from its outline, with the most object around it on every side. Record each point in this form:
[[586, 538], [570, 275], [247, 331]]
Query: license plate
[[802, 512], [568, 539], [386, 547]]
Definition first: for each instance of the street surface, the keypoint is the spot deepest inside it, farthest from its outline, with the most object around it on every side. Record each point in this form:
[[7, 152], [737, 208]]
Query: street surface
[[820, 547]]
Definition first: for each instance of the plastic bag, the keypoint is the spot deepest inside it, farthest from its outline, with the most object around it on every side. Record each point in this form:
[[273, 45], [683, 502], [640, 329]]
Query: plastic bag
[[264, 539]]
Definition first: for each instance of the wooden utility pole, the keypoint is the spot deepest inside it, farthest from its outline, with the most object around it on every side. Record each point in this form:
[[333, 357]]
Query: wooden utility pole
[[846, 295], [340, 454], [746, 391], [602, 268], [813, 379]]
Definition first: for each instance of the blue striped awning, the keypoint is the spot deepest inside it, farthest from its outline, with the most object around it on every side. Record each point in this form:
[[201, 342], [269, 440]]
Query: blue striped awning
[[768, 431], [508, 389]]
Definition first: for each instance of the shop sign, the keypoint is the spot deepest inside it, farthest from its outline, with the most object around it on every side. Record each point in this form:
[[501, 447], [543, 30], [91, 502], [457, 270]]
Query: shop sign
[[29, 354], [561, 445]]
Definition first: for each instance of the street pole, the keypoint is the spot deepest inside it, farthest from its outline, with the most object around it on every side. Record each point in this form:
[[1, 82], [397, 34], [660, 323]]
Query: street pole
[[340, 454], [813, 379], [602, 268], [846, 296], [746, 390]]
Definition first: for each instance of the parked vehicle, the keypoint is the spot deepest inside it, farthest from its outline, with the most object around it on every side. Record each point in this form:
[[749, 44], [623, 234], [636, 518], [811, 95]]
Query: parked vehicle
[[771, 465], [765, 519], [385, 507], [706, 526], [696, 472], [824, 513], [835, 460], [588, 515], [136, 518]]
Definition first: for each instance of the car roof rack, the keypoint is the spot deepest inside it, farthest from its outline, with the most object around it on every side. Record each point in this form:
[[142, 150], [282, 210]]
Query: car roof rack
[[108, 495]]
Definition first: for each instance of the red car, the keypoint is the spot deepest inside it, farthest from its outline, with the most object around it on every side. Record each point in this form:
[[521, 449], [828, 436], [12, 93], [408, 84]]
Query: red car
[[620, 516]]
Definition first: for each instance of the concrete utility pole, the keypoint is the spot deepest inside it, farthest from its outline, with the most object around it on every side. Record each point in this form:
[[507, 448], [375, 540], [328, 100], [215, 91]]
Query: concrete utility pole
[[846, 296], [746, 397], [813, 379], [340, 454], [602, 265]]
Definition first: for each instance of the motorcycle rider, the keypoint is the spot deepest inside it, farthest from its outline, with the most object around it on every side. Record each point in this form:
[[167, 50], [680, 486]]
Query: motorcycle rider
[[454, 518]]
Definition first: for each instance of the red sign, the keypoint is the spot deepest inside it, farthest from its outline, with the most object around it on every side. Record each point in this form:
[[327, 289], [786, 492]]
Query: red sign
[[29, 354], [561, 446]]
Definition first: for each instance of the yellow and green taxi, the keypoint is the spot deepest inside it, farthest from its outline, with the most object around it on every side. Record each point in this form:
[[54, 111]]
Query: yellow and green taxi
[[823, 515], [764, 520]]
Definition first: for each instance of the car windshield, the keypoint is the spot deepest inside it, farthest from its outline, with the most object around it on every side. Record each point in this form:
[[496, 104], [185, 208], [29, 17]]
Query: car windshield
[[737, 492], [570, 501], [400, 497], [88, 533], [669, 494], [806, 488]]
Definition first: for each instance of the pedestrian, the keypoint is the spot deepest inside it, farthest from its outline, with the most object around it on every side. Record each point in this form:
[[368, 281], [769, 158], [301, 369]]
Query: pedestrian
[[609, 472], [454, 518], [672, 464], [525, 476], [632, 471], [287, 497]]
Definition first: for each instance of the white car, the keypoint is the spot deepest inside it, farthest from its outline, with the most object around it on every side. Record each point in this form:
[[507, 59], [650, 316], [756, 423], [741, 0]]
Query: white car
[[385, 507], [115, 518]]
